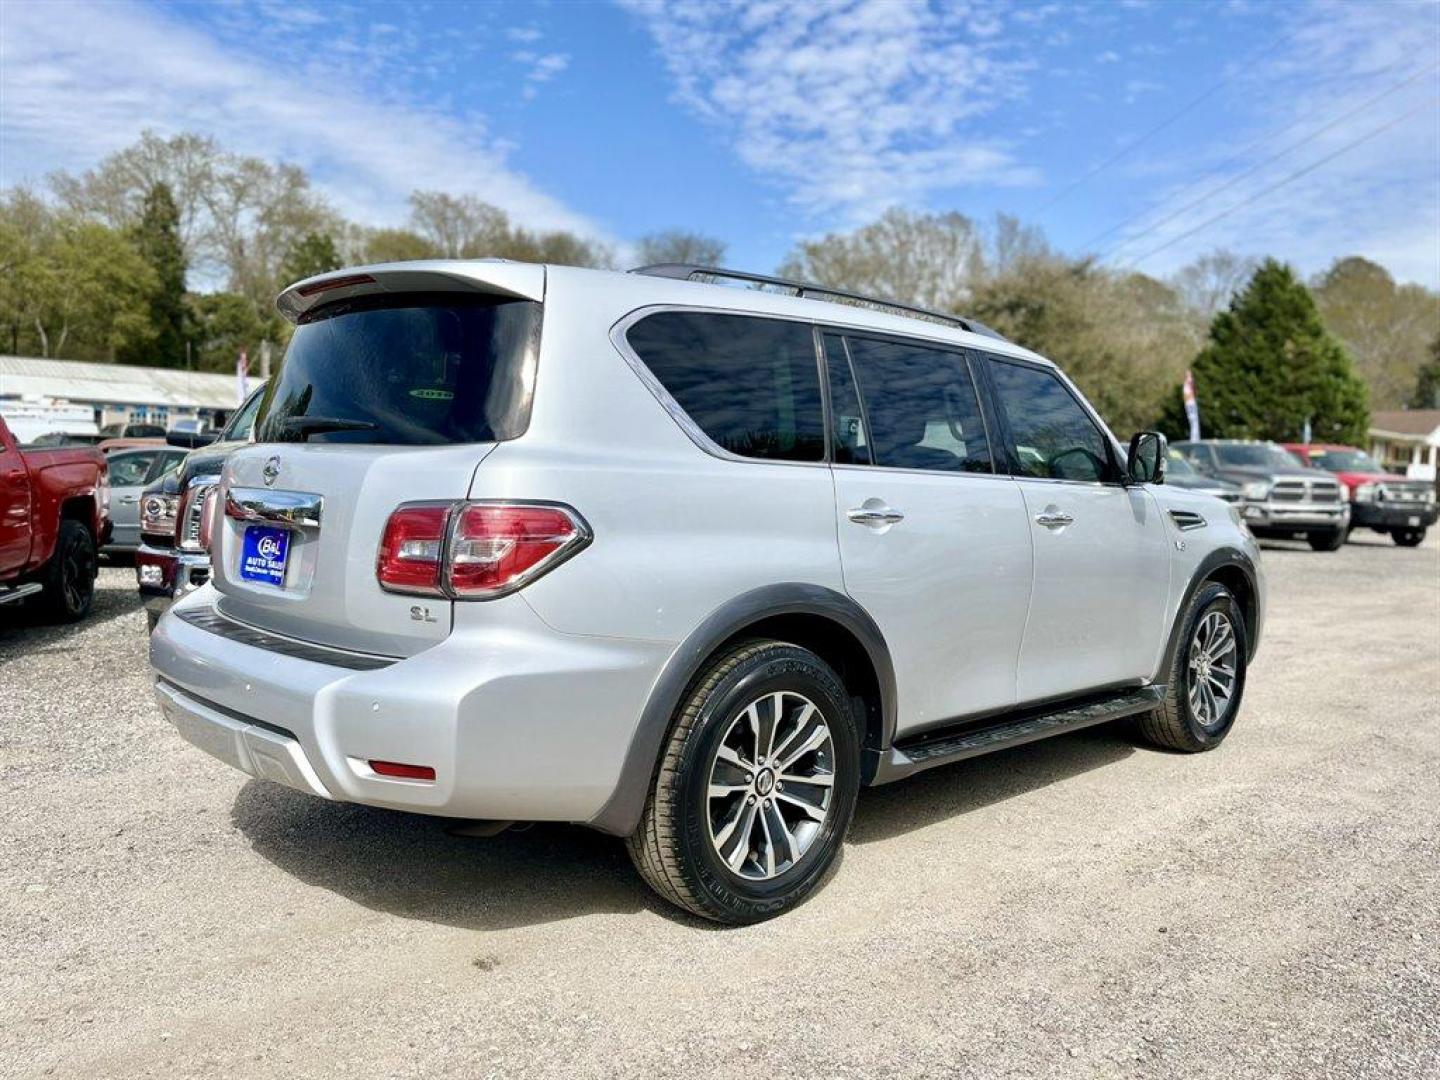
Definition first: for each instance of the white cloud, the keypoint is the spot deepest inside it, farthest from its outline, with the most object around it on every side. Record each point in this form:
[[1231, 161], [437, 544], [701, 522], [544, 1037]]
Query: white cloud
[[524, 34], [850, 108], [81, 80], [1109, 56]]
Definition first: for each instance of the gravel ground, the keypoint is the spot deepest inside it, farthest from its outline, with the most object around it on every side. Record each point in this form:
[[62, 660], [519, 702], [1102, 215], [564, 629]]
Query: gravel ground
[[1080, 907]]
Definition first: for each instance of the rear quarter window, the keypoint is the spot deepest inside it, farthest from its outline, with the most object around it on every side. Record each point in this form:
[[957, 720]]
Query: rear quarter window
[[752, 385]]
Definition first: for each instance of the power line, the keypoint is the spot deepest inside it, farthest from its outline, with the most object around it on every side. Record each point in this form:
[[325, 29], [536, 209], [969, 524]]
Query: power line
[[1237, 158], [1285, 180], [1278, 40]]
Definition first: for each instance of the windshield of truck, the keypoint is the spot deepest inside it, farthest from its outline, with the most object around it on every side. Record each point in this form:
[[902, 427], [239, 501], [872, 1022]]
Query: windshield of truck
[[408, 370], [1356, 461], [1179, 465], [1256, 456]]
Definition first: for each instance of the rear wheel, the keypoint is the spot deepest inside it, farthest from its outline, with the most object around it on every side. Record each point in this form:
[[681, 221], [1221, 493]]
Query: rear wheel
[[756, 786], [1207, 676], [1327, 541], [70, 575], [1409, 537]]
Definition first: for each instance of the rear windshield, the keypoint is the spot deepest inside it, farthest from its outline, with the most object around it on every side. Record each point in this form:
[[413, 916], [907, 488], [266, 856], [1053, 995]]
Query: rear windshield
[[409, 371]]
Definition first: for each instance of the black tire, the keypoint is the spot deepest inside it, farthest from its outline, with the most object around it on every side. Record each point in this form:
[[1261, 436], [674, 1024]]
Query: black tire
[[1409, 537], [69, 576], [1327, 541], [672, 847], [1175, 725]]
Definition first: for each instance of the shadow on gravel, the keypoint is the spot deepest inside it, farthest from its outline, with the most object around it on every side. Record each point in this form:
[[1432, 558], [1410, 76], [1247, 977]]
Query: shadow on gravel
[[23, 629], [406, 864]]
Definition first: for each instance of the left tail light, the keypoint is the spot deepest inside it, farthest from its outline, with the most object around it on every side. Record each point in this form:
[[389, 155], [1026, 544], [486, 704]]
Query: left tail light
[[475, 550]]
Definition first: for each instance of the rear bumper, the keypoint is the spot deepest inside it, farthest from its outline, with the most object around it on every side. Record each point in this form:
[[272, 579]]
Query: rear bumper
[[519, 722], [1393, 515]]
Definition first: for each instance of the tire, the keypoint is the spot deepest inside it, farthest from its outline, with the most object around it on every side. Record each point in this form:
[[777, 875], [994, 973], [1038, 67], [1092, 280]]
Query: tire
[[69, 576], [1327, 541], [151, 618], [1409, 537], [1181, 723], [707, 852]]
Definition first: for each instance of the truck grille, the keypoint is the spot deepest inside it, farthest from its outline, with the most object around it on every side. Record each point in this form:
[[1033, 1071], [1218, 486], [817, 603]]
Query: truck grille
[[188, 528], [1314, 491], [1404, 493]]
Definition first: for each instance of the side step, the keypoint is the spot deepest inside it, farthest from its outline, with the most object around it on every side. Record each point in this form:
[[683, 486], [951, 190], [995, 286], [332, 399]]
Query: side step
[[941, 747], [10, 596]]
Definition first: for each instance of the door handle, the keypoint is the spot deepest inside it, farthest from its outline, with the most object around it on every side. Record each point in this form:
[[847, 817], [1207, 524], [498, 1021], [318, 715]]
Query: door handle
[[129, 500], [874, 513], [1054, 519]]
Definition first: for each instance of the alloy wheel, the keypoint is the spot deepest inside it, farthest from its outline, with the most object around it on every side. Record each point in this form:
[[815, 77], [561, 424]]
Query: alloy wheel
[[1212, 668]]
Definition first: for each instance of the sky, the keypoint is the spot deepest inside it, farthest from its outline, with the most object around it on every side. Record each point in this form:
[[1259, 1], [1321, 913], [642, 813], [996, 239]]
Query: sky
[[1146, 132]]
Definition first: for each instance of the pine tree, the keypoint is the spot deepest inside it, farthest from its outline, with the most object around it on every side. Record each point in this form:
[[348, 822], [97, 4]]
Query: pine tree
[[157, 238], [312, 254], [1270, 365]]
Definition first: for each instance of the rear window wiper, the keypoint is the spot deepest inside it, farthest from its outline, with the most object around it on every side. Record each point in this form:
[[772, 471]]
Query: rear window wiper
[[300, 428]]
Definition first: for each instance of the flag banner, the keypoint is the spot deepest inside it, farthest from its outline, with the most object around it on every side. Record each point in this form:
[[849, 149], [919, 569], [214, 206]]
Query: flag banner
[[242, 377], [1192, 407]]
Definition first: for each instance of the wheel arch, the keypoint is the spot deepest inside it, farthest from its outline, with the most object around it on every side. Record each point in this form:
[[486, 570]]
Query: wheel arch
[[825, 621], [1233, 569]]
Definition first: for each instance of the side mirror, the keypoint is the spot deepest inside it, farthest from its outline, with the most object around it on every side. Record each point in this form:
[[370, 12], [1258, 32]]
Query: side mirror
[[1145, 464], [189, 440]]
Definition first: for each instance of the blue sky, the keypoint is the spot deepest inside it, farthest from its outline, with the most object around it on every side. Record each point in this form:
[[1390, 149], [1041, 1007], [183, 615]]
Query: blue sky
[[763, 123]]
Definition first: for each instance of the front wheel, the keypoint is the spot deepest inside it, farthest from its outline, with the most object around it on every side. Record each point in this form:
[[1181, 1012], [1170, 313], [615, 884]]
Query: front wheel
[[1327, 541], [1207, 676], [1409, 537], [69, 582], [756, 786]]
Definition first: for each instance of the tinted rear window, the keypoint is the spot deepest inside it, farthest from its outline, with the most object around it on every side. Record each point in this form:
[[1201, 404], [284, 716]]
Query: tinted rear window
[[750, 384], [407, 371]]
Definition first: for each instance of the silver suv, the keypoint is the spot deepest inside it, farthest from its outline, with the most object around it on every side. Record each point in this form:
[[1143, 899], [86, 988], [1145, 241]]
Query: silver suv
[[688, 563]]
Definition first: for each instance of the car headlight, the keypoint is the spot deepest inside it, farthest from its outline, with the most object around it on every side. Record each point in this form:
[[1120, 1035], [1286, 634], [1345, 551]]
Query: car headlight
[[1363, 493], [157, 514], [1259, 490]]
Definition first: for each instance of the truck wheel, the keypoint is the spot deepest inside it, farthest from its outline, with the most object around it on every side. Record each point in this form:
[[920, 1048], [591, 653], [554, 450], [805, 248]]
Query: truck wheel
[[69, 576], [1207, 676], [1409, 537], [1327, 541], [756, 786]]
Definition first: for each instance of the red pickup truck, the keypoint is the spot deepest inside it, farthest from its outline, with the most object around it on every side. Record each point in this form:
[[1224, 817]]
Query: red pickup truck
[[54, 515], [1379, 500]]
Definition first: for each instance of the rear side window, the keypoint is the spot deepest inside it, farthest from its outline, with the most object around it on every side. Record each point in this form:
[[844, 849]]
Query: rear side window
[[127, 470], [409, 371], [921, 406], [1055, 438], [750, 384]]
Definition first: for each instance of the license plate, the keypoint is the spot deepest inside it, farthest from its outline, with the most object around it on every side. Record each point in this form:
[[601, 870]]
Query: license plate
[[1412, 522], [263, 554]]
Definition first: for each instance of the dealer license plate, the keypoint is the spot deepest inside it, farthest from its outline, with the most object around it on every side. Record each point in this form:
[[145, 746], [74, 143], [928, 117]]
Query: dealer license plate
[[263, 555]]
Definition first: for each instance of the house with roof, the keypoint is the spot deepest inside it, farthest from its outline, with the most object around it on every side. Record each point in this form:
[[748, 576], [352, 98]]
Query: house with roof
[[1407, 441]]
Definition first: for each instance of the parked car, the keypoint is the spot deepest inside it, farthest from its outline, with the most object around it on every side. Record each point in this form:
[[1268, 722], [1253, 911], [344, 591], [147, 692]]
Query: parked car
[[130, 472], [133, 430], [110, 446], [170, 561], [1379, 500], [687, 563], [54, 506], [1282, 498], [1180, 473], [52, 439]]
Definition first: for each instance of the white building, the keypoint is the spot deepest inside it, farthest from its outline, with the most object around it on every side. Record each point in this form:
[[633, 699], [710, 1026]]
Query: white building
[[118, 392], [1407, 440]]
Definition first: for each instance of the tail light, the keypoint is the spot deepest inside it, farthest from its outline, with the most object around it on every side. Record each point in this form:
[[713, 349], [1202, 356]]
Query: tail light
[[475, 550], [208, 512]]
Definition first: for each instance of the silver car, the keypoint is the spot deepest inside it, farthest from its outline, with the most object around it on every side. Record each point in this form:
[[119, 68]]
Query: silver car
[[687, 563], [130, 472]]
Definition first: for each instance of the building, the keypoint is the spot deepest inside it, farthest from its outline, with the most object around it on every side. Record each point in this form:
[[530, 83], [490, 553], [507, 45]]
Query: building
[[1407, 441], [118, 392]]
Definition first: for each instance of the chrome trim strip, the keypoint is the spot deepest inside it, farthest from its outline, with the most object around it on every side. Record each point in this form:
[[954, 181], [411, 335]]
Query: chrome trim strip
[[290, 509], [1185, 520]]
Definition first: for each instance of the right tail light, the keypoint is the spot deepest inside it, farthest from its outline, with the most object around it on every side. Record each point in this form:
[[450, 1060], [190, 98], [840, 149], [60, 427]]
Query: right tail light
[[475, 550]]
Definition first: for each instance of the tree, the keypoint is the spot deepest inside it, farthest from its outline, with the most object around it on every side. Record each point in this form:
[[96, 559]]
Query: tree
[[464, 227], [220, 326], [1427, 381], [157, 239], [313, 253], [395, 245], [1270, 366], [678, 246], [1387, 328], [1207, 284]]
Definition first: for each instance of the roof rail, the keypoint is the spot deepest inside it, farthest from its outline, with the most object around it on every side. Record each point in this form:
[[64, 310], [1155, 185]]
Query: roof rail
[[808, 289]]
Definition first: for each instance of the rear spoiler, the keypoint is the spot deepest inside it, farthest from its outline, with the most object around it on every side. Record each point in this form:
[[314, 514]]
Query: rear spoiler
[[524, 281]]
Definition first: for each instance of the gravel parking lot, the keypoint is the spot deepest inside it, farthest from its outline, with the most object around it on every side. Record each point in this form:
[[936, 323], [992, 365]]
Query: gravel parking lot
[[1083, 906]]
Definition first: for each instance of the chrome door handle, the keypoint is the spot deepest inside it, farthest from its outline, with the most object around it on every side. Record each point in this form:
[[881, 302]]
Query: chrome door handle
[[129, 500], [1054, 519], [874, 515]]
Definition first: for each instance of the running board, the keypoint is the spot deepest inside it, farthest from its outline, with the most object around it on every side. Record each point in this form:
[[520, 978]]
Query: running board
[[8, 596], [939, 748]]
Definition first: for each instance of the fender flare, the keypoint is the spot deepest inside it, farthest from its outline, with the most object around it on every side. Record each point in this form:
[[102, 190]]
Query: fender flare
[[621, 813], [1220, 559]]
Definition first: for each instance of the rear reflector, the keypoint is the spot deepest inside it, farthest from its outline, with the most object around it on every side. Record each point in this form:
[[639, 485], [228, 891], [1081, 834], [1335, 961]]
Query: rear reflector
[[475, 550], [402, 771]]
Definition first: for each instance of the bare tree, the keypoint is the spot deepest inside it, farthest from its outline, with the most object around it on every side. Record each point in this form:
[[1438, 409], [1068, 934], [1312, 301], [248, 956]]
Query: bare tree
[[1207, 284], [679, 246]]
